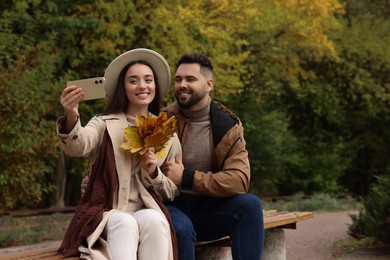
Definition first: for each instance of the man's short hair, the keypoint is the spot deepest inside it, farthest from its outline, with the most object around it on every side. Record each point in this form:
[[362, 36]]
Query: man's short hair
[[203, 61]]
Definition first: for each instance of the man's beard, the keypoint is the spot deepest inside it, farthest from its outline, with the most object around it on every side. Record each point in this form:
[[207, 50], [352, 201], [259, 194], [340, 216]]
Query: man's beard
[[194, 99]]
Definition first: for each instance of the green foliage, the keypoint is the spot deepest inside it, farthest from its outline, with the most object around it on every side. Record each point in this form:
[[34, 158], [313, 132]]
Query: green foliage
[[273, 149], [328, 75], [27, 109], [284, 39], [318, 202], [26, 127], [374, 219], [363, 78]]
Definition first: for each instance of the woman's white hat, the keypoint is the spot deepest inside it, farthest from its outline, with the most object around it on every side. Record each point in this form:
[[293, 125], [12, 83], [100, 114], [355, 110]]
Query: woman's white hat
[[154, 59]]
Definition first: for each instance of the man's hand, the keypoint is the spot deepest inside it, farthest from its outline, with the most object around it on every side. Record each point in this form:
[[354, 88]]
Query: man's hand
[[84, 184], [174, 170]]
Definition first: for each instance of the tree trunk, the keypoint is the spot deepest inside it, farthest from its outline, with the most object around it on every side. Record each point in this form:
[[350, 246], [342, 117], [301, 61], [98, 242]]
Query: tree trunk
[[58, 198]]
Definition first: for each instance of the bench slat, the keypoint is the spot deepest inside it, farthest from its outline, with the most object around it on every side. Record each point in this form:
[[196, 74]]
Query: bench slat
[[36, 254], [285, 218]]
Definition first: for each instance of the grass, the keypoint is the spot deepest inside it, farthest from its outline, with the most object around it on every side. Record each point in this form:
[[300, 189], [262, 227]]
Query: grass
[[318, 202], [349, 245], [15, 231]]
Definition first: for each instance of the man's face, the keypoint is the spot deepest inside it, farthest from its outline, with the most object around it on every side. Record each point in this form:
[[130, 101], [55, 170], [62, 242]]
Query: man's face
[[191, 87]]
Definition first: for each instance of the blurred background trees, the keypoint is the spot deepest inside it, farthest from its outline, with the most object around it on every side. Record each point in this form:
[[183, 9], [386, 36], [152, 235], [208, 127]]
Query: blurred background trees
[[309, 79]]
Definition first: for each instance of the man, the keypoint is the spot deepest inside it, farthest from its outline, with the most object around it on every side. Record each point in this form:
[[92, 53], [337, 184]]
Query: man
[[214, 175]]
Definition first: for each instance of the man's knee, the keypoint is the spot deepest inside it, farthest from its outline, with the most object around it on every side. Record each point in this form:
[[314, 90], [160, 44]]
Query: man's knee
[[182, 223], [251, 203]]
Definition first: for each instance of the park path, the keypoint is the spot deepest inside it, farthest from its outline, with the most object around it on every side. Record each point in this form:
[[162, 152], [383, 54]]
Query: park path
[[314, 239]]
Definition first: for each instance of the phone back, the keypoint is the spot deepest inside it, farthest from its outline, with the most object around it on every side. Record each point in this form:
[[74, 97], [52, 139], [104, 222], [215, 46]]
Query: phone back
[[94, 88]]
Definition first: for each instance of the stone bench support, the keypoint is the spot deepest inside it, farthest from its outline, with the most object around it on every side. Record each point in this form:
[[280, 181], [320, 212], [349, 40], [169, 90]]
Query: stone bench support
[[274, 248]]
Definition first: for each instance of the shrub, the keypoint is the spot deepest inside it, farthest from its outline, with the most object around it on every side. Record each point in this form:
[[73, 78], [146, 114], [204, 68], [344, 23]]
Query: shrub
[[373, 219]]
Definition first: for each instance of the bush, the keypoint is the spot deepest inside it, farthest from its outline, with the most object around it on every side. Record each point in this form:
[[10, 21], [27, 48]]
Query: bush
[[374, 219], [317, 202]]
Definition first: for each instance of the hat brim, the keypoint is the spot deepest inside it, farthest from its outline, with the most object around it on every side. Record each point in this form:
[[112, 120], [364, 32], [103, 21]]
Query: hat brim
[[154, 59]]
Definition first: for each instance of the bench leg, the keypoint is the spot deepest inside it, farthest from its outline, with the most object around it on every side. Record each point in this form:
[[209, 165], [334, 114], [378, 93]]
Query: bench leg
[[274, 245], [213, 253], [274, 248]]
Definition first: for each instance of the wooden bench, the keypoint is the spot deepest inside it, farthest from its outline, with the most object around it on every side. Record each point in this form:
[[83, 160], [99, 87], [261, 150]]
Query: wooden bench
[[274, 223]]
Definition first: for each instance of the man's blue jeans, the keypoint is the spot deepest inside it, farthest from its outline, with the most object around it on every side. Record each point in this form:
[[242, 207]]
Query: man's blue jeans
[[239, 217]]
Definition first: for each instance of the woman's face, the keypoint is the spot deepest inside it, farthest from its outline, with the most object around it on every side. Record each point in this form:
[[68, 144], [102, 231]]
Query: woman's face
[[140, 88]]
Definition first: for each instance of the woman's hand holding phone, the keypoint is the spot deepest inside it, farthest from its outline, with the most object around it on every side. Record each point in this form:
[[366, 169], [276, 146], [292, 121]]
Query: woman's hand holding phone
[[94, 88], [70, 99], [77, 90]]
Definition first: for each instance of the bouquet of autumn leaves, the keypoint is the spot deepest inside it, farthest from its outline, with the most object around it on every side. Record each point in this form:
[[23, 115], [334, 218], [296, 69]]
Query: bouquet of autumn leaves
[[150, 132]]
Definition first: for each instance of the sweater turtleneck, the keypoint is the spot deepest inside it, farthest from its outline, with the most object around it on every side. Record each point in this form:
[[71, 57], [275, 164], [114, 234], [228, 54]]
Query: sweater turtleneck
[[135, 202], [197, 147], [198, 115]]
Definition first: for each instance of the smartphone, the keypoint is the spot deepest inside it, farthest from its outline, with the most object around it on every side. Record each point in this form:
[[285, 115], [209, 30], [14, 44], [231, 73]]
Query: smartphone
[[94, 88]]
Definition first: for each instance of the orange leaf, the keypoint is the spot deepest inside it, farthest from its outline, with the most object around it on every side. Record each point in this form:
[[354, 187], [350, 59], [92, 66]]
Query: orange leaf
[[150, 132]]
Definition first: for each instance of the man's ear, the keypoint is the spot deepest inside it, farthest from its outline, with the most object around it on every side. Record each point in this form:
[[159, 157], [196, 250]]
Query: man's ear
[[210, 84]]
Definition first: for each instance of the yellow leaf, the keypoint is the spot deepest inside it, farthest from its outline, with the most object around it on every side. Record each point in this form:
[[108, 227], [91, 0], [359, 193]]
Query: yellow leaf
[[150, 132], [161, 153]]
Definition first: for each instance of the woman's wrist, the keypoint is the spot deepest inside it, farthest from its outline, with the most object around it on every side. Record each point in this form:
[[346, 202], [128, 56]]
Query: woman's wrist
[[70, 122]]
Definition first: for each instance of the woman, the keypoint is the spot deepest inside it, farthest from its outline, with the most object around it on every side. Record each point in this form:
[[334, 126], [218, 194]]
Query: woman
[[119, 216]]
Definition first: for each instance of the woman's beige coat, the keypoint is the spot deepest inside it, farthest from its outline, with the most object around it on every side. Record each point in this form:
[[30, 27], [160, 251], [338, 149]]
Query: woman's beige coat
[[85, 141]]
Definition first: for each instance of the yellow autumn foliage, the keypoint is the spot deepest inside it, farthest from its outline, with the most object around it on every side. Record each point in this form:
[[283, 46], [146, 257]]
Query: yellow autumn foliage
[[150, 132]]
